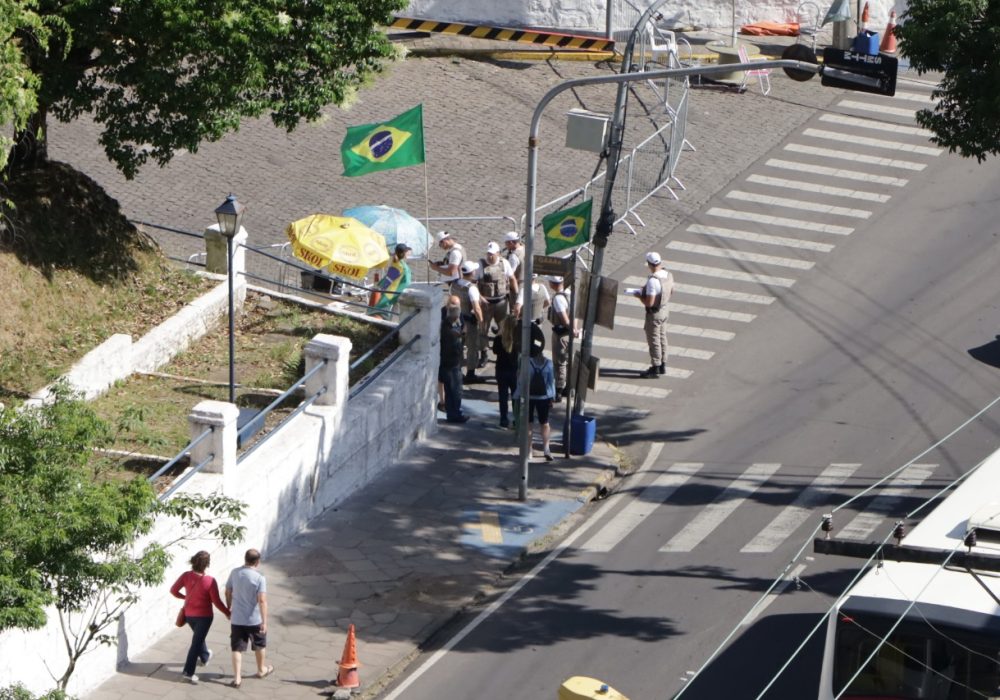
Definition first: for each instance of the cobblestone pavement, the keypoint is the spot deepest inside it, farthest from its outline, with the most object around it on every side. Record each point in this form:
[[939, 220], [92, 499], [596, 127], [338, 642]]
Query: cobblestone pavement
[[393, 560]]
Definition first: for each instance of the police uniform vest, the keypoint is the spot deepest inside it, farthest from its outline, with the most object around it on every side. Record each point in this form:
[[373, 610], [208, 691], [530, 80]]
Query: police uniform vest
[[663, 276], [461, 252], [493, 281], [555, 318], [462, 292], [516, 254]]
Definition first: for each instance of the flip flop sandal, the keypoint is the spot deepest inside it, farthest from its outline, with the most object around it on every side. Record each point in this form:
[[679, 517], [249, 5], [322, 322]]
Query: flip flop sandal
[[235, 684], [267, 672]]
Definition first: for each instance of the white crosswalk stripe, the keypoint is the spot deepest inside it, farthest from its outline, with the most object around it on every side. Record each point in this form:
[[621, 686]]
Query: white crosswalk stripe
[[641, 346], [698, 290], [854, 157], [760, 258], [914, 97], [632, 515], [751, 237], [878, 108], [818, 189], [722, 314], [780, 221], [836, 172], [856, 140], [605, 386], [798, 204], [617, 411], [627, 366], [678, 329], [676, 266], [898, 488], [712, 515], [875, 125], [794, 515]]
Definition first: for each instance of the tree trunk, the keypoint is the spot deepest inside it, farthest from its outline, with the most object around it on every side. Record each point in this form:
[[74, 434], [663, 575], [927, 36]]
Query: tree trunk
[[30, 143]]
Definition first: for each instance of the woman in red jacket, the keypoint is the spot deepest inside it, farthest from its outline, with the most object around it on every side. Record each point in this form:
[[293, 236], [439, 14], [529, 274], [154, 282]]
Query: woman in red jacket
[[200, 593]]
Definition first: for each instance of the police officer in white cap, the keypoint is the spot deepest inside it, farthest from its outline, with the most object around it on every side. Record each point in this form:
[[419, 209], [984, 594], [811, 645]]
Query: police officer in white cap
[[514, 254], [454, 255], [468, 293], [655, 295], [496, 284], [562, 326]]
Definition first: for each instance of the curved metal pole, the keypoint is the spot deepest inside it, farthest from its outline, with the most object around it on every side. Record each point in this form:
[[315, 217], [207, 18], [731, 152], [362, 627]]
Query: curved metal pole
[[529, 229]]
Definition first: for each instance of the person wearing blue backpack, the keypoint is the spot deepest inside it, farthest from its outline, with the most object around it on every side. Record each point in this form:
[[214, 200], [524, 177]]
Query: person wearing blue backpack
[[541, 392]]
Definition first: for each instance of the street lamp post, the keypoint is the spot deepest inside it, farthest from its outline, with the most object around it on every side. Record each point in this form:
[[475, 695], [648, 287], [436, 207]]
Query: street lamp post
[[229, 214]]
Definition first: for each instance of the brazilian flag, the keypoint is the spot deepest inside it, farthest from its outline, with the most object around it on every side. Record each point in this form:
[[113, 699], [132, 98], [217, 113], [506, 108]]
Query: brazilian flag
[[397, 143], [567, 228]]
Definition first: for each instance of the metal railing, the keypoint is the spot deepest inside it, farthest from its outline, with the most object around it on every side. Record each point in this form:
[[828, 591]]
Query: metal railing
[[382, 367], [253, 425], [177, 458]]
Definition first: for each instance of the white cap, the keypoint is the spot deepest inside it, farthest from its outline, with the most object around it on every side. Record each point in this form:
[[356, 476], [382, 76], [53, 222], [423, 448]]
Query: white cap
[[512, 236], [441, 235], [555, 279], [469, 267], [492, 247], [653, 258]]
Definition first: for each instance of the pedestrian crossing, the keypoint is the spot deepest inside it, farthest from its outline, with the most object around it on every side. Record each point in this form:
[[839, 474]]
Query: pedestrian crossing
[[724, 506], [773, 226]]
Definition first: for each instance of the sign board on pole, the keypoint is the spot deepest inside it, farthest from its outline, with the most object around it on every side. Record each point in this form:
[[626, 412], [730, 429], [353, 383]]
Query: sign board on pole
[[875, 73], [585, 376], [607, 300], [551, 265]]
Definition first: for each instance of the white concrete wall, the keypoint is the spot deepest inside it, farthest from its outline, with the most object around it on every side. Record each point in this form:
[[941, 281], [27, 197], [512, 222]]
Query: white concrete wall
[[590, 15], [318, 459]]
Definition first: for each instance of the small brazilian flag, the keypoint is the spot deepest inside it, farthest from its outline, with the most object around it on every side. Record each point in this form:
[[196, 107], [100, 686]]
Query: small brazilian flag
[[397, 143], [567, 228]]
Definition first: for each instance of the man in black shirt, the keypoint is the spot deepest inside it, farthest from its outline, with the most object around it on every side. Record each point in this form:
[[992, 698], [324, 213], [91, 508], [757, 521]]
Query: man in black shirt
[[450, 369]]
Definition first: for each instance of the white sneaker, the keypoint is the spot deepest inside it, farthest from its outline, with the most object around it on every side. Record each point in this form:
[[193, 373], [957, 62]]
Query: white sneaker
[[205, 662], [192, 679]]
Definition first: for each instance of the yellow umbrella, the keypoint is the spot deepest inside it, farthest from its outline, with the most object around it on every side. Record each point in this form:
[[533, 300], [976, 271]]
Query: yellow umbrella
[[342, 245]]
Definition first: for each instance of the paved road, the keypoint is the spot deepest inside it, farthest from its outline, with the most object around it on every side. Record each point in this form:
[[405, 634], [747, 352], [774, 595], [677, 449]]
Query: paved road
[[851, 358]]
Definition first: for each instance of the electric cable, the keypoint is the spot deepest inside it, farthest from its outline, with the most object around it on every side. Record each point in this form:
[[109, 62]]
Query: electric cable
[[899, 620], [715, 653]]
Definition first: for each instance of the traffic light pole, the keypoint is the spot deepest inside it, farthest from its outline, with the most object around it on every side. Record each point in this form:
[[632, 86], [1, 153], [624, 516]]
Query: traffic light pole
[[606, 220]]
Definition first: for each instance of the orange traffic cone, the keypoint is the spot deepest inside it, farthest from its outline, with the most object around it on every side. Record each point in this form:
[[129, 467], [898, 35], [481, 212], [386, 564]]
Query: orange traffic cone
[[889, 40], [348, 676], [864, 17]]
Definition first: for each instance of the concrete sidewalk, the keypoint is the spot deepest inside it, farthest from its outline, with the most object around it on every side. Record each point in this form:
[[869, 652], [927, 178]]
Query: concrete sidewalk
[[398, 559]]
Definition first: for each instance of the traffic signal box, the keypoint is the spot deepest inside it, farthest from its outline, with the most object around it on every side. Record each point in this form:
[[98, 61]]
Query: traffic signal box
[[844, 68]]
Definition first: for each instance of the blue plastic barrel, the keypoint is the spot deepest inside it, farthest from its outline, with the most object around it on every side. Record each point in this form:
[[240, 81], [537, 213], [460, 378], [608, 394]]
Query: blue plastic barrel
[[582, 433]]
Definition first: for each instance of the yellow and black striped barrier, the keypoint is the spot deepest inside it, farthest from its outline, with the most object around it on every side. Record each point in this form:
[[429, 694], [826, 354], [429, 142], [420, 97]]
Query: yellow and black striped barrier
[[554, 39]]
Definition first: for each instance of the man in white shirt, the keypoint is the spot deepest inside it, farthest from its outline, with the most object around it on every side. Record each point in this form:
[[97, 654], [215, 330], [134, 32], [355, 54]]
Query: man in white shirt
[[655, 295], [454, 256], [540, 301]]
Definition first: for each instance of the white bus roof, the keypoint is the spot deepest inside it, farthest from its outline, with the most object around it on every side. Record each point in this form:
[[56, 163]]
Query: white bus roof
[[944, 528]]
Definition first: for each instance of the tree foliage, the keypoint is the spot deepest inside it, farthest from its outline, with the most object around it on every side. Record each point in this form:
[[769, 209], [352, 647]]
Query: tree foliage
[[20, 27], [163, 75], [962, 39], [69, 523]]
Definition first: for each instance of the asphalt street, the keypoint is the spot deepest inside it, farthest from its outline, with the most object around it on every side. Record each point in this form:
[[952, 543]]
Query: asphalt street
[[871, 350]]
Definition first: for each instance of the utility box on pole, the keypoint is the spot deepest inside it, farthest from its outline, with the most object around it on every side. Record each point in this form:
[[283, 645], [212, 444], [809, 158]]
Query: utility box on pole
[[586, 131]]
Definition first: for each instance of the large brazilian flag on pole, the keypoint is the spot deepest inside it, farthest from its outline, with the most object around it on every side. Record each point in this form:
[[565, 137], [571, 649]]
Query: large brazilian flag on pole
[[567, 228], [397, 143]]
